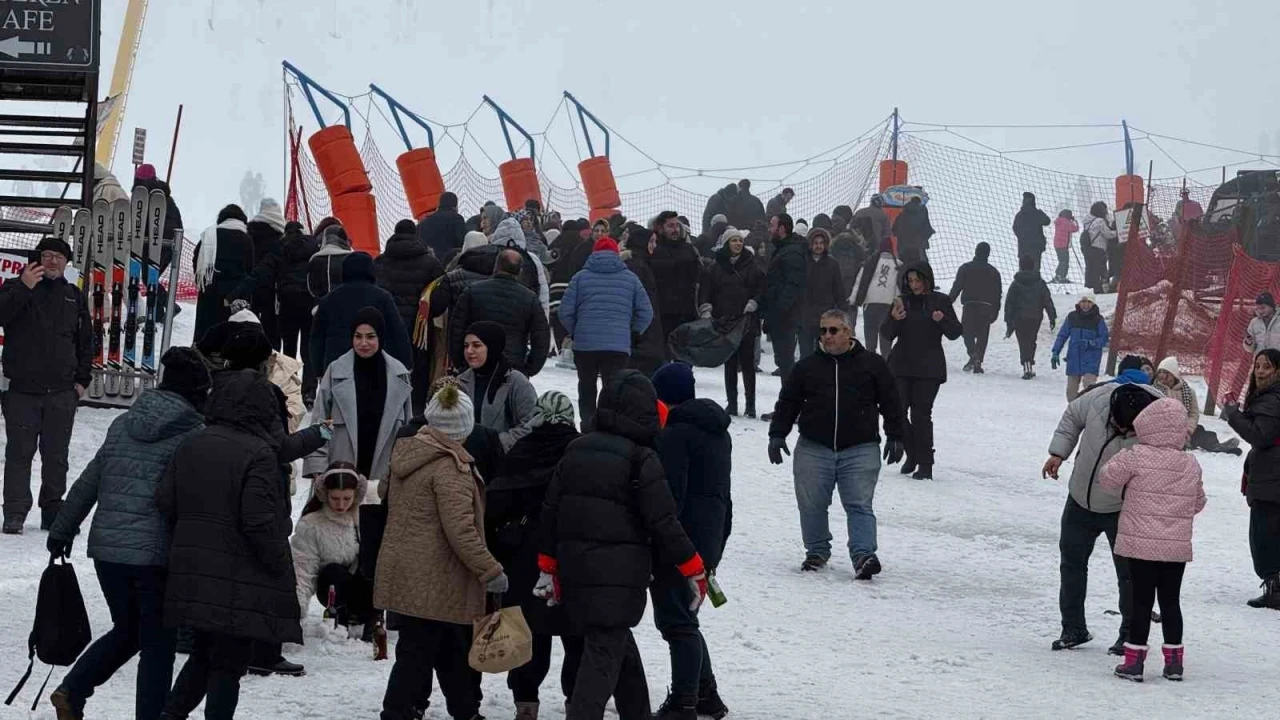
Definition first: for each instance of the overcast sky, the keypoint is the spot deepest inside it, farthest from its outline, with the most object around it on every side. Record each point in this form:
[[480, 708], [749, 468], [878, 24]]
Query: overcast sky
[[708, 83]]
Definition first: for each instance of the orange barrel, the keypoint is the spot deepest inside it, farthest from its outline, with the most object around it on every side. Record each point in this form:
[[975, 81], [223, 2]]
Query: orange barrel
[[1129, 188], [358, 213], [423, 183], [519, 182], [339, 161], [892, 172], [598, 181]]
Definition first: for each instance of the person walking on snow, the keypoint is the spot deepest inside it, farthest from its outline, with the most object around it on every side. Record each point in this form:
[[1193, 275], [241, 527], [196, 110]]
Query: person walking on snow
[[676, 265], [502, 299], [503, 398], [835, 396], [731, 289], [1086, 331], [47, 355], [784, 290], [1162, 492], [1263, 332], [1024, 309], [405, 268], [1088, 426], [266, 229], [1063, 228], [1028, 227], [822, 289], [979, 287], [332, 323], [443, 230], [913, 230], [1098, 234], [877, 291], [879, 219]]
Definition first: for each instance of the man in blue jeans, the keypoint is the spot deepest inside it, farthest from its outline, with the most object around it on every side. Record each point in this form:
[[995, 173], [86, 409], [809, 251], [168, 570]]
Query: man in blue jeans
[[835, 395]]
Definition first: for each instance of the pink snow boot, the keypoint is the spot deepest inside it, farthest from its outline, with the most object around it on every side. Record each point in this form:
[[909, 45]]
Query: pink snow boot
[[1172, 662], [1131, 668]]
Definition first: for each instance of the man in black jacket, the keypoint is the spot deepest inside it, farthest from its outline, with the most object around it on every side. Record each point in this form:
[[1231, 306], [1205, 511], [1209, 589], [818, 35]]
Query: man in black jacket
[[749, 210], [677, 268], [784, 291], [444, 230], [47, 354], [979, 287], [405, 269], [607, 511], [331, 327], [503, 299], [836, 394], [823, 288], [697, 455], [1028, 227]]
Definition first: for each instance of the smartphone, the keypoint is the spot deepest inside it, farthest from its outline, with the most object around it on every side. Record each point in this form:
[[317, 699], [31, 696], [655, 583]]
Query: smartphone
[[33, 257]]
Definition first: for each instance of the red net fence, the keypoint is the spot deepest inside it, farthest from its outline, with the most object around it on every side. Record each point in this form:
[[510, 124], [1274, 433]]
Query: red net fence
[[1230, 363]]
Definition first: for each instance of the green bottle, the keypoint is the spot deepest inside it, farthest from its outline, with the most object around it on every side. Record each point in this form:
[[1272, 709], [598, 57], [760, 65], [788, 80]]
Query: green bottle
[[714, 592]]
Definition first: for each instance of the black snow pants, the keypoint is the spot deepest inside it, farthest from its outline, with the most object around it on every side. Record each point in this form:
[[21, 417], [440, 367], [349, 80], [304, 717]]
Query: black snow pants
[[976, 323], [36, 421], [1080, 531]]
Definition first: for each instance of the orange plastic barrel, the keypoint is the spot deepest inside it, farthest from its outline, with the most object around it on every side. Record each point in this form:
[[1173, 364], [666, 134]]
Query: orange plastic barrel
[[519, 182], [358, 213], [892, 172], [599, 183], [339, 161], [1129, 188], [422, 181]]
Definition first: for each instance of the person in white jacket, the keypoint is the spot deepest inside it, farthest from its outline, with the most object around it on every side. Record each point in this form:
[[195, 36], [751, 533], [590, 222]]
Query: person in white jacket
[[1263, 332], [326, 546], [875, 291], [1098, 234]]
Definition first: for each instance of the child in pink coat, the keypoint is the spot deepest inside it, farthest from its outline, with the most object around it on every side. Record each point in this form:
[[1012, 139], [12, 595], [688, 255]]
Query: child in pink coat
[[1063, 228], [1162, 491]]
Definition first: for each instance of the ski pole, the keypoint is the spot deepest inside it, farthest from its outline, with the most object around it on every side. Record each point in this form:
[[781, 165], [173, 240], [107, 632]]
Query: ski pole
[[173, 149]]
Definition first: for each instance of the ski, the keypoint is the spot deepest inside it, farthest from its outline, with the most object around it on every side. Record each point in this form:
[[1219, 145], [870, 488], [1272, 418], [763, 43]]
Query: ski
[[157, 209], [98, 254], [63, 217], [79, 242], [137, 241], [119, 258]]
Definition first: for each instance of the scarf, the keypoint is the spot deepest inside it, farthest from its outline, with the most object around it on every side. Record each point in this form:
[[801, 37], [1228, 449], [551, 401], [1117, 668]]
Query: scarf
[[207, 256], [553, 408], [371, 397]]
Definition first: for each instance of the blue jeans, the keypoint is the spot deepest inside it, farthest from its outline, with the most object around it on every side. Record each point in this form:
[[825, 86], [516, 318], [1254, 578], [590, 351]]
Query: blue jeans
[[690, 660], [818, 471], [135, 598]]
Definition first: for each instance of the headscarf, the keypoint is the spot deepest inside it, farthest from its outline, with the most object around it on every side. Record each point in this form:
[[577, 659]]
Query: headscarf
[[553, 408]]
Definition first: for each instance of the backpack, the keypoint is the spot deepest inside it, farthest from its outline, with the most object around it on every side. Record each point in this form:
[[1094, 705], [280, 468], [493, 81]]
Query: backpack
[[61, 629], [1127, 402]]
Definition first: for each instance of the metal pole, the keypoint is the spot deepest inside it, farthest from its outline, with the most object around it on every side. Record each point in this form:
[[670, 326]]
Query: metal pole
[[173, 149], [175, 269], [895, 135]]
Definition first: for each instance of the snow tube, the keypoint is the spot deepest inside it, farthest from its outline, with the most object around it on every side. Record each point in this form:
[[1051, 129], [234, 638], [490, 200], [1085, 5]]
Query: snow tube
[[519, 182], [339, 161], [598, 181], [358, 213], [1129, 188], [422, 181]]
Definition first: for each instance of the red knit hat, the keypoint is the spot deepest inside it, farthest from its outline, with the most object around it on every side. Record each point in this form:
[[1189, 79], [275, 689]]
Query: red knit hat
[[145, 171], [606, 243]]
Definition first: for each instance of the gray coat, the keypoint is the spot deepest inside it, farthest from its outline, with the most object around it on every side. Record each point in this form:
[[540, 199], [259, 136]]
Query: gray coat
[[122, 478], [336, 399], [513, 406], [1086, 423]]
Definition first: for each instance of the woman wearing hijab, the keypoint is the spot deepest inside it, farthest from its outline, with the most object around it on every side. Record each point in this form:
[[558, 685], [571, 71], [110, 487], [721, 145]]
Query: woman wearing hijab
[[366, 393], [223, 258], [503, 398]]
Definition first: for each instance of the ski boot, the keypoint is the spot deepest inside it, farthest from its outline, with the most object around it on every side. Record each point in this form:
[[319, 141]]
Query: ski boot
[[1131, 668], [866, 567], [1071, 638], [1172, 662]]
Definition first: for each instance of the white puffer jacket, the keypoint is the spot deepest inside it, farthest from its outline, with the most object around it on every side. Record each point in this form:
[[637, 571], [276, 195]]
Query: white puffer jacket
[[325, 538], [1100, 232]]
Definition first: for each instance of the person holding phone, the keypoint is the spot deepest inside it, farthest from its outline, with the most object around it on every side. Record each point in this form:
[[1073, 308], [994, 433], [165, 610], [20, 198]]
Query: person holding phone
[[47, 351]]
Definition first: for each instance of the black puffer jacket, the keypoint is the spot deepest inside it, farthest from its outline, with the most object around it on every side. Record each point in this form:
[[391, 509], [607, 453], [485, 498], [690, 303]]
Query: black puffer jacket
[[697, 456], [1259, 425], [503, 299], [978, 281], [785, 281], [849, 251], [728, 286], [676, 265], [1028, 227], [286, 271], [913, 230], [823, 287], [230, 565], [331, 326], [608, 508], [649, 348], [917, 352], [1029, 299], [48, 345], [838, 399], [443, 231], [473, 266], [405, 268]]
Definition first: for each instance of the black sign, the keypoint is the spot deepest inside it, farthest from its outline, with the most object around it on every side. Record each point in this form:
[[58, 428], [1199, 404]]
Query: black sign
[[49, 35]]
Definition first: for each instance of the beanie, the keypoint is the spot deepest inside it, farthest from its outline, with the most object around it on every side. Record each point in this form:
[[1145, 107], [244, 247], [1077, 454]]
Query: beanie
[[606, 243], [406, 227], [357, 265], [1089, 297], [473, 240], [58, 245], [1133, 362], [451, 412], [245, 316], [371, 316], [1266, 298], [801, 229], [185, 374], [1170, 365], [674, 383], [716, 219], [246, 346], [269, 212], [551, 235], [232, 212], [146, 171]]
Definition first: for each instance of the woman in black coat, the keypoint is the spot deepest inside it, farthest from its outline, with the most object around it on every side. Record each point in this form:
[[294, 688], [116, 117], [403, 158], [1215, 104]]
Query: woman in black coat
[[405, 268], [512, 513], [649, 348], [920, 318], [231, 576], [1025, 306], [223, 258], [732, 288]]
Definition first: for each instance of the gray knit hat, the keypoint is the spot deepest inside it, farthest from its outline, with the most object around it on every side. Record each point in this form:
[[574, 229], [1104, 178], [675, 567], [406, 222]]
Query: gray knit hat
[[451, 412]]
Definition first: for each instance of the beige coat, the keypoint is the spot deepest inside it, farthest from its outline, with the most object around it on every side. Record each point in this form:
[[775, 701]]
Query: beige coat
[[433, 563], [286, 373]]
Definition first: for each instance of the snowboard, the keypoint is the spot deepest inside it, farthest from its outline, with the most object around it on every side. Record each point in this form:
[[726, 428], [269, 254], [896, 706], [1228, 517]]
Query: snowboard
[[119, 248], [157, 208], [138, 222], [79, 242], [99, 256]]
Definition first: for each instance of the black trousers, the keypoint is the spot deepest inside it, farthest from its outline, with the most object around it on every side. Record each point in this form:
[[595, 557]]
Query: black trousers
[[1264, 538], [1095, 267], [611, 665], [34, 422], [212, 673], [873, 316], [1115, 260], [784, 347], [691, 671], [423, 645], [1026, 332], [917, 396], [420, 380], [1064, 263], [976, 322], [594, 364], [1150, 579], [352, 593], [295, 340], [525, 680], [1080, 531], [743, 361], [264, 306]]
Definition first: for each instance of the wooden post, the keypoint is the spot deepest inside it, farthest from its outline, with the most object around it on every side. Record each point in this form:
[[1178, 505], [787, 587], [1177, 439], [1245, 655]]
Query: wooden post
[[173, 148]]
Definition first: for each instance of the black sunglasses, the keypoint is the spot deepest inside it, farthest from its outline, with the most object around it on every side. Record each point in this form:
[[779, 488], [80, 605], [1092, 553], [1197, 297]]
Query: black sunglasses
[[831, 330]]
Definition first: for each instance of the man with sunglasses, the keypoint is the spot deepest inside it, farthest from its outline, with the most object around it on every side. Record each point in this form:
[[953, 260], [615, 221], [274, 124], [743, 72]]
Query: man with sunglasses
[[835, 395], [47, 349]]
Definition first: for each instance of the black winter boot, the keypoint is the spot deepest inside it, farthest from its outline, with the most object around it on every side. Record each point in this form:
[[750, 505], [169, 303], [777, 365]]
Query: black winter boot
[[710, 704], [731, 407], [750, 411], [908, 466], [1270, 597], [923, 472], [1071, 638], [678, 707]]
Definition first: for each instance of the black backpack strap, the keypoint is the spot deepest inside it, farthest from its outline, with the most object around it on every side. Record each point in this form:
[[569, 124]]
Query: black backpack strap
[[36, 703], [25, 676]]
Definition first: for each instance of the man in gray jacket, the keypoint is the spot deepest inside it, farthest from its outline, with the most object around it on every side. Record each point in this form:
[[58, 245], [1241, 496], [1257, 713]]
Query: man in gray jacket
[[1090, 511]]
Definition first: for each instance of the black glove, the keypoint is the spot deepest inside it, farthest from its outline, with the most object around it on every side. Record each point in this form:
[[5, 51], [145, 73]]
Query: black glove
[[893, 452], [1054, 361], [777, 446], [1053, 324], [58, 548], [1008, 333]]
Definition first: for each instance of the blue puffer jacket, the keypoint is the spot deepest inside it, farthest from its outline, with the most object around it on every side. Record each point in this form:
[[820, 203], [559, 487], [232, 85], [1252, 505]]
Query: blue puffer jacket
[[122, 478], [604, 304], [1088, 335]]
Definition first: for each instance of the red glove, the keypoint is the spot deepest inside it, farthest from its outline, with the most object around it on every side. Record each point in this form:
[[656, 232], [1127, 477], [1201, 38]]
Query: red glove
[[548, 585], [696, 573]]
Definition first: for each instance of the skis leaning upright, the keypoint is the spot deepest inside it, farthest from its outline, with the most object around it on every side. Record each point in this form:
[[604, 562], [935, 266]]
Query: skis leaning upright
[[79, 242], [137, 227], [63, 217], [119, 259], [99, 256], [156, 210]]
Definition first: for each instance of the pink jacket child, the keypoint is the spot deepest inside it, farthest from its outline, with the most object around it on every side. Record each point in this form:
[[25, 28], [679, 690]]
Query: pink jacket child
[[1063, 229], [1160, 484]]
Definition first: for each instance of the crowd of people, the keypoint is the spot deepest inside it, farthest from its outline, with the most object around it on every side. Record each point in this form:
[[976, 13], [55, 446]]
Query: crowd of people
[[442, 486]]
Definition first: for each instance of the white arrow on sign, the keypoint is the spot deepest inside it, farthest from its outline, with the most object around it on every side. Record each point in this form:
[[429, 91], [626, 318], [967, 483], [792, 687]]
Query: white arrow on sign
[[14, 47]]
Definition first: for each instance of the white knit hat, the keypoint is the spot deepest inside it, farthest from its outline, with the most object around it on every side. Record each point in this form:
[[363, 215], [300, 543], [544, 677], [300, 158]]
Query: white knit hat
[[451, 412], [1170, 365], [245, 316], [474, 239], [802, 230]]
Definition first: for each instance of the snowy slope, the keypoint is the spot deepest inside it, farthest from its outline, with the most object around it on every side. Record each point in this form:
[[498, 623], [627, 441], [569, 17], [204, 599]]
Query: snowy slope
[[959, 624]]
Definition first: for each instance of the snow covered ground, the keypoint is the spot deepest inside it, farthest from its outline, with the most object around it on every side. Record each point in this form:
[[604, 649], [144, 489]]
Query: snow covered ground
[[958, 625]]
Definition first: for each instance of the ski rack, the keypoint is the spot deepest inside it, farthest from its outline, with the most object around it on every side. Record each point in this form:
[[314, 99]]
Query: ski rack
[[583, 115], [396, 108], [506, 120], [307, 85]]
